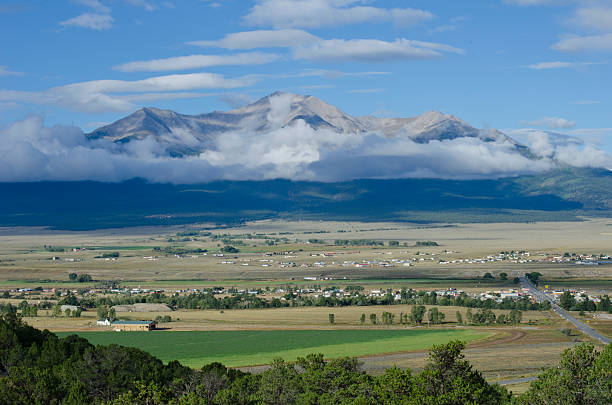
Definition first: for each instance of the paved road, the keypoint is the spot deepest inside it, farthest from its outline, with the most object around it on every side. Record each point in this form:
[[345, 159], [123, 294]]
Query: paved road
[[584, 328]]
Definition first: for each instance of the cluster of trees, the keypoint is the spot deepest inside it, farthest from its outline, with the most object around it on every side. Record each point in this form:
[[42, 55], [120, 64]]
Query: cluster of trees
[[38, 367], [229, 249], [28, 310], [106, 312], [463, 300], [502, 276], [485, 316], [69, 313], [568, 302], [81, 278], [49, 248], [425, 243], [163, 318], [358, 242], [174, 250], [534, 277], [415, 317]]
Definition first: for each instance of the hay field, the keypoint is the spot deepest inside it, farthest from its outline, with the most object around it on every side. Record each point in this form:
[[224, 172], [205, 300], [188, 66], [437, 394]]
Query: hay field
[[246, 348], [274, 318]]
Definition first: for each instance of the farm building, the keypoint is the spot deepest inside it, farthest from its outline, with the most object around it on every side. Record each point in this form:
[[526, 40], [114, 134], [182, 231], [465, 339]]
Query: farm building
[[134, 325]]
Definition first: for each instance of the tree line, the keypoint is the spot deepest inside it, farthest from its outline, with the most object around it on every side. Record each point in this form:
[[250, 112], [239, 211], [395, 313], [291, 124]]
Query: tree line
[[208, 300]]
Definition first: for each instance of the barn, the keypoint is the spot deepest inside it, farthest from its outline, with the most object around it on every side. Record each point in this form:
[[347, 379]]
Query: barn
[[133, 325]]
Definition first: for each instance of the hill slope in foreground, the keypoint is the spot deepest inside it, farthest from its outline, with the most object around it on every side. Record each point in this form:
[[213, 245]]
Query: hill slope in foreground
[[558, 195]]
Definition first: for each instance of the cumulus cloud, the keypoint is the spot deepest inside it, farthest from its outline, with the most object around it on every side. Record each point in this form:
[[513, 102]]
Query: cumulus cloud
[[319, 13], [92, 21], [196, 62], [115, 95], [372, 50], [284, 38], [551, 122]]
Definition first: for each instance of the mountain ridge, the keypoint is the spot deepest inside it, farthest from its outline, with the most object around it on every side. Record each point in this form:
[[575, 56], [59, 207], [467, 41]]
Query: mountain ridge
[[192, 134]]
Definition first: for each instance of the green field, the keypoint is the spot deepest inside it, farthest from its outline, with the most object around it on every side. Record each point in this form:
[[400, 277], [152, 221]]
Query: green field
[[244, 348]]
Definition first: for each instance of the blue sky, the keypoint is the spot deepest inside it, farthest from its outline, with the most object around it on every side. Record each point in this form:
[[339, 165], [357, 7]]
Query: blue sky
[[505, 64]]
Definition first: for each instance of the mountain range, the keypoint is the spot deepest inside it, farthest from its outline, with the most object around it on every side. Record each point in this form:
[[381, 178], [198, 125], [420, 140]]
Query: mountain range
[[184, 135], [293, 124]]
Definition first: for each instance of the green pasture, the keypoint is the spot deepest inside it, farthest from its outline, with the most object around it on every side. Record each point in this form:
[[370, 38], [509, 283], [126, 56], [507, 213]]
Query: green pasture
[[244, 348]]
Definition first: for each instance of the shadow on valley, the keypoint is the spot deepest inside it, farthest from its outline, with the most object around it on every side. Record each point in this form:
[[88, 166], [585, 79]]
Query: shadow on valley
[[559, 195]]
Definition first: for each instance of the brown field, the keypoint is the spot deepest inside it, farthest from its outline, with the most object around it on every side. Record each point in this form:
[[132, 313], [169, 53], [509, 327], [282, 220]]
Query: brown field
[[278, 318], [22, 257]]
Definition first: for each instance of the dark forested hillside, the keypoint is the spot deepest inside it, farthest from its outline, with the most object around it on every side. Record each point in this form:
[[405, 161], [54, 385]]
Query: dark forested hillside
[[561, 194]]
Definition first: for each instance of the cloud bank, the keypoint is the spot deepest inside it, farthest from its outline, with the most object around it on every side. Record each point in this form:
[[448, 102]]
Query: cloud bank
[[564, 149], [32, 152]]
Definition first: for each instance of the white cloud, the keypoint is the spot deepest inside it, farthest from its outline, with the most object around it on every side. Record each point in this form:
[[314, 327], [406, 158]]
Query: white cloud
[[594, 18], [261, 39], [442, 28], [372, 50], [4, 71], [89, 20], [591, 16], [551, 65], [601, 43], [560, 65], [334, 74], [307, 46], [563, 148], [551, 122], [196, 62], [110, 95], [586, 102], [147, 5], [319, 13]]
